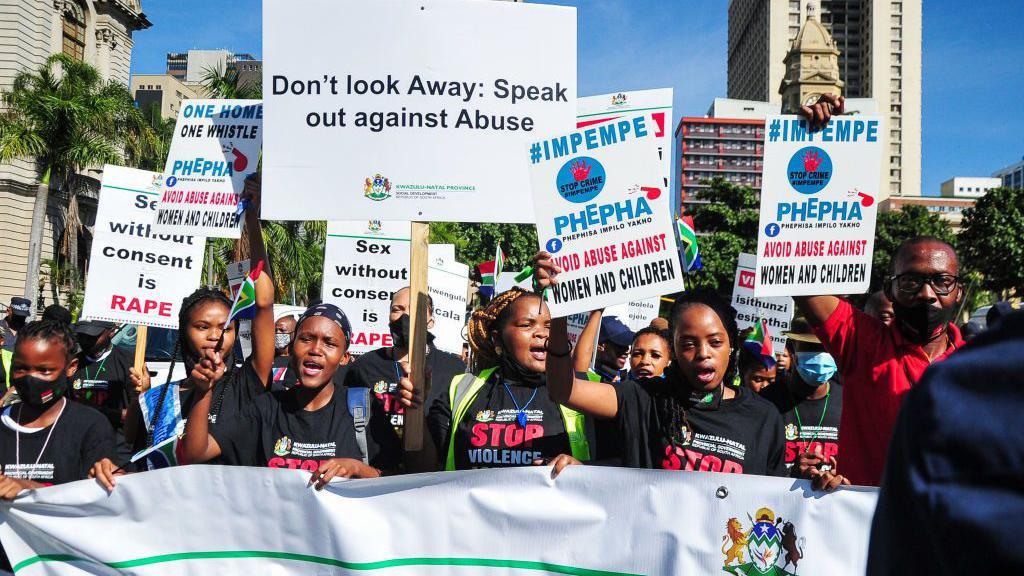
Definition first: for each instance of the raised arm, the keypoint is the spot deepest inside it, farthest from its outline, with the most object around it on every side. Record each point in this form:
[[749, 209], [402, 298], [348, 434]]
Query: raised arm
[[198, 444], [592, 398], [816, 309], [263, 322], [584, 351]]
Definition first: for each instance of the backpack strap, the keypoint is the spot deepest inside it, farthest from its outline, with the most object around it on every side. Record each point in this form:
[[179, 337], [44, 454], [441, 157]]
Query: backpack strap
[[359, 408]]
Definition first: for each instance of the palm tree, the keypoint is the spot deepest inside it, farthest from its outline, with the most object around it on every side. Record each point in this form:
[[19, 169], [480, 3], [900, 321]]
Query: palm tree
[[220, 83], [66, 118]]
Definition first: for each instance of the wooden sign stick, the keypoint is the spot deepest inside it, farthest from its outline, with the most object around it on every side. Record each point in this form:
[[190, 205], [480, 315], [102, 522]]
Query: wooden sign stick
[[413, 433]]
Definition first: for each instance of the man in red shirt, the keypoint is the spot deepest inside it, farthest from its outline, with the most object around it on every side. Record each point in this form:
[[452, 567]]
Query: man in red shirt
[[878, 364]]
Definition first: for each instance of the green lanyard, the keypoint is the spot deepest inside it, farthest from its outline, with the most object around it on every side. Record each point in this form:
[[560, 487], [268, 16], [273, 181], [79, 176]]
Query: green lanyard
[[800, 424], [99, 370]]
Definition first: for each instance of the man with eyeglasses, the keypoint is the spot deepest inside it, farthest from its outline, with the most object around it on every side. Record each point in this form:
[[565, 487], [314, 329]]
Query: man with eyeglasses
[[879, 364]]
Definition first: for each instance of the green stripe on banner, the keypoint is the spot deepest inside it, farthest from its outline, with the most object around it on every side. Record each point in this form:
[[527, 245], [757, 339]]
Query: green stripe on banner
[[368, 237], [361, 566], [605, 113], [129, 189]]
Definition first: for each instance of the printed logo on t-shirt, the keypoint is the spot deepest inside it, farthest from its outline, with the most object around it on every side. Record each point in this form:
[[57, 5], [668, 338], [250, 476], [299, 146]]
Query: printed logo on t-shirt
[[386, 392], [791, 431], [769, 546], [283, 446], [41, 472], [502, 441], [485, 416], [706, 453], [380, 387], [811, 439]]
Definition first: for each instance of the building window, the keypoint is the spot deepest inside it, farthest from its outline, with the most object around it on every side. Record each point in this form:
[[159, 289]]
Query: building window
[[74, 31]]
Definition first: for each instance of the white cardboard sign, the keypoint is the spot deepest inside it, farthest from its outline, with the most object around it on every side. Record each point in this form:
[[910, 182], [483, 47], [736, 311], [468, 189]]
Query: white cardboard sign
[[636, 315], [447, 284], [420, 109], [591, 110], [216, 145], [603, 215], [136, 275], [776, 311], [819, 199], [365, 263]]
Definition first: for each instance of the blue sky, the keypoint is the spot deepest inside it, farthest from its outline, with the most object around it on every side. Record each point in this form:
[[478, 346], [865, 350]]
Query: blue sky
[[972, 63]]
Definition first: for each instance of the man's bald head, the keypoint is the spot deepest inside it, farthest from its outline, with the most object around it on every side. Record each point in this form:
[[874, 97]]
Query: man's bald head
[[937, 253]]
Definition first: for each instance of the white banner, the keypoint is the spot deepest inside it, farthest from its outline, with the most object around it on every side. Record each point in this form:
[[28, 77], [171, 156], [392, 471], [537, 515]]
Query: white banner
[[137, 276], [592, 521], [604, 217], [447, 284], [216, 145], [591, 110], [636, 315], [819, 199], [777, 312], [425, 114], [365, 263]]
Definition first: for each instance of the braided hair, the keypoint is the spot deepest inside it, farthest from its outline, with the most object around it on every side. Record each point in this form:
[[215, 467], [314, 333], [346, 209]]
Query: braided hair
[[182, 346], [491, 318], [50, 331], [671, 412]]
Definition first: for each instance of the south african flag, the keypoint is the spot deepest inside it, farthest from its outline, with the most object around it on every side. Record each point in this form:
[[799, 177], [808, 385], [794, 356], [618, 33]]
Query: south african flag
[[759, 343], [245, 301], [688, 238]]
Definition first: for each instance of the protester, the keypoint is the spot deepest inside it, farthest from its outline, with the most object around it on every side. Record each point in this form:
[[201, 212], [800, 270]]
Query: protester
[[659, 323], [284, 330], [754, 374], [44, 438], [380, 369], [650, 353], [17, 316], [878, 364], [503, 415], [6, 357], [951, 496], [306, 427], [784, 359], [879, 307], [103, 380], [57, 313], [613, 342]]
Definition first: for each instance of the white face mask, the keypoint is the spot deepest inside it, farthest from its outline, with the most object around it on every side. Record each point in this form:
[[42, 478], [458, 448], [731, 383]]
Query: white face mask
[[282, 340]]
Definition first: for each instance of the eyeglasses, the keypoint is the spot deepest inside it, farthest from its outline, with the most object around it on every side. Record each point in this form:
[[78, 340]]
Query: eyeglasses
[[910, 283]]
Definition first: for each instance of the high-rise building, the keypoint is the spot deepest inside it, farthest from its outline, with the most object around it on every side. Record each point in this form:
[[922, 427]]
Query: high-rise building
[[98, 32], [192, 66], [730, 148], [163, 91], [879, 43], [1012, 176]]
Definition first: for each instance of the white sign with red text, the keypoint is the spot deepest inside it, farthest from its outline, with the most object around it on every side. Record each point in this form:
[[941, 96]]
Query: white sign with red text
[[216, 145], [819, 199], [604, 216], [136, 275]]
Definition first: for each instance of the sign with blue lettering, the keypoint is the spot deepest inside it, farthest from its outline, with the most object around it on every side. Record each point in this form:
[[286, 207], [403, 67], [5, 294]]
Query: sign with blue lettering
[[819, 196], [604, 215], [216, 145]]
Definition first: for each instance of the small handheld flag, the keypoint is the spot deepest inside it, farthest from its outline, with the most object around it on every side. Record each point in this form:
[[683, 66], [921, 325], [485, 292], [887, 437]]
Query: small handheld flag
[[759, 343], [244, 305], [688, 238], [499, 263], [487, 280]]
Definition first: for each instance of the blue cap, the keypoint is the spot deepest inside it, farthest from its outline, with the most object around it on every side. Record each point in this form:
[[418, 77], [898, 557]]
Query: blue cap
[[614, 331]]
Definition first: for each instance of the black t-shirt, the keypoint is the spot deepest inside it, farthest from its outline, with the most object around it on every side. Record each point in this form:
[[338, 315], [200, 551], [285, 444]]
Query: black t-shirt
[[79, 438], [742, 435], [105, 383], [814, 423], [490, 435], [282, 377], [232, 395], [377, 371], [276, 432]]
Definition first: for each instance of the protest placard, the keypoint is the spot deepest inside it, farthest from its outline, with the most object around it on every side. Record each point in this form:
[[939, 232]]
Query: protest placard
[[819, 199], [593, 110], [447, 283], [365, 263], [445, 251], [777, 311], [603, 215], [136, 275], [216, 145], [236, 273], [424, 117], [636, 315]]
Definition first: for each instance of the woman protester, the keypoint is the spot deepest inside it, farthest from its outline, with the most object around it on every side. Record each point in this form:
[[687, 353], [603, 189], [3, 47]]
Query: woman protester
[[501, 414], [646, 352], [689, 420]]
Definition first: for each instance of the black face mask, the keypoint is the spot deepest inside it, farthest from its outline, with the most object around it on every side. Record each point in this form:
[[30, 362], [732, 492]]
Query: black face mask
[[922, 322], [16, 322], [38, 392], [400, 331], [88, 344]]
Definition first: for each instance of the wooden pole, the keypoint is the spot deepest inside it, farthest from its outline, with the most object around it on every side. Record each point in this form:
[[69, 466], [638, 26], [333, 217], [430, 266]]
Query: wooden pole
[[413, 433], [141, 332]]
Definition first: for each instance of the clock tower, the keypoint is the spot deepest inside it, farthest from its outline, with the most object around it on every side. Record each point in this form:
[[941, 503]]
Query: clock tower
[[812, 65]]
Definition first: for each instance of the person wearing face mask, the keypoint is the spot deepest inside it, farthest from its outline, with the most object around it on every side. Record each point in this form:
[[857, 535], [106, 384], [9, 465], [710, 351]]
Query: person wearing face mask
[[17, 315], [280, 377], [501, 415], [380, 369], [44, 438], [103, 378], [879, 364]]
